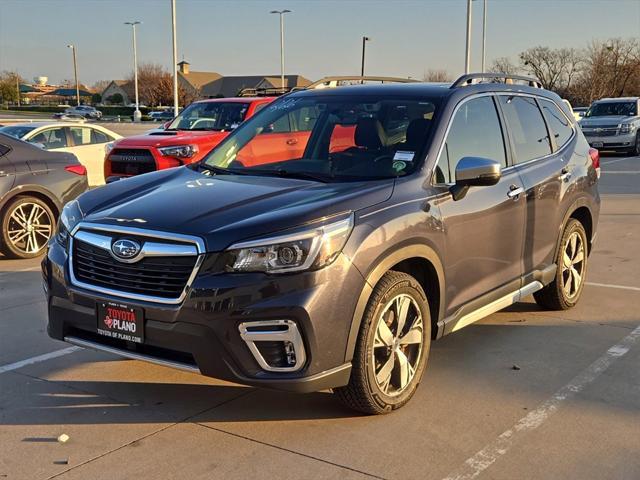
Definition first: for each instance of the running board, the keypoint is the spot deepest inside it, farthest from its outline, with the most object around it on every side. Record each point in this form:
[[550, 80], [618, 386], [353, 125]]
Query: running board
[[497, 305], [131, 355]]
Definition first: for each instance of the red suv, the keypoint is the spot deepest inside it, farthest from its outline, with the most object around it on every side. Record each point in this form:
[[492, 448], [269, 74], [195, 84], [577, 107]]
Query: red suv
[[187, 138]]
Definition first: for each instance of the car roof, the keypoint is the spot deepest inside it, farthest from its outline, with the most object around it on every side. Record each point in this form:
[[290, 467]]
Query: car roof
[[619, 99], [49, 124]]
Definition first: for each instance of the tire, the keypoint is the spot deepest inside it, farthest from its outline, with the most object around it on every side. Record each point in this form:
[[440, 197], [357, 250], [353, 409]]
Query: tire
[[635, 150], [27, 225], [565, 290], [377, 345]]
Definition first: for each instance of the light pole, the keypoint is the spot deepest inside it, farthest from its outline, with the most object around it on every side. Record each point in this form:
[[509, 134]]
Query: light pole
[[281, 13], [137, 116], [484, 34], [175, 59], [467, 56], [364, 46], [75, 73]]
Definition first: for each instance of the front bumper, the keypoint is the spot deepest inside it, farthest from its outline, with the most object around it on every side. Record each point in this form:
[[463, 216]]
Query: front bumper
[[612, 142], [202, 333]]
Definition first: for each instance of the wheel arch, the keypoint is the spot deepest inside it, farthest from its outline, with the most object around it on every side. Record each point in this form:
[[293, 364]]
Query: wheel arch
[[33, 191], [579, 210], [419, 261]]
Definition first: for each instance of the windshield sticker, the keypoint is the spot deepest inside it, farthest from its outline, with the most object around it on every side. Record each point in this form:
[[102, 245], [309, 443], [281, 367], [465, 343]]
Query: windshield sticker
[[399, 166], [404, 156]]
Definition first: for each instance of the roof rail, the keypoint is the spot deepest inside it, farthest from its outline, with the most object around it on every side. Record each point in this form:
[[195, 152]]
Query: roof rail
[[469, 78], [332, 82], [263, 92]]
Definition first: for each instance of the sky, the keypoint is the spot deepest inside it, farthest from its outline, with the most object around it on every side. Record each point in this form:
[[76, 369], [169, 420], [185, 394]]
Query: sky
[[322, 37]]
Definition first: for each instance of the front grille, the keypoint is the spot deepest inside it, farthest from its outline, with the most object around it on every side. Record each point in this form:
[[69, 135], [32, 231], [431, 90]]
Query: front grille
[[601, 131], [164, 277], [131, 161]]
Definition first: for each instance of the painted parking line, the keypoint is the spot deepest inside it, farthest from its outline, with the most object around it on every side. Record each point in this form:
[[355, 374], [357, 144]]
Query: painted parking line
[[621, 172], [609, 162], [486, 457], [38, 359], [609, 285]]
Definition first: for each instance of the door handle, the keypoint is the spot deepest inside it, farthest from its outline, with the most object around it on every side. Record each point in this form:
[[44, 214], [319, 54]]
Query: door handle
[[515, 192], [565, 174], [292, 141]]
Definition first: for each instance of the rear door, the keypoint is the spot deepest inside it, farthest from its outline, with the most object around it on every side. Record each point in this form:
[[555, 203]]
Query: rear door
[[7, 170], [483, 231], [542, 147]]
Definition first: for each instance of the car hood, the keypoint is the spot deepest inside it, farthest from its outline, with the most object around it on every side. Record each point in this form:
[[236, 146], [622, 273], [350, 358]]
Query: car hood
[[605, 120], [165, 139], [224, 209]]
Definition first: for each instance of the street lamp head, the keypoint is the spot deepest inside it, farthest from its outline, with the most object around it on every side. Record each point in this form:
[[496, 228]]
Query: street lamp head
[[366, 39], [133, 23], [70, 46], [281, 12]]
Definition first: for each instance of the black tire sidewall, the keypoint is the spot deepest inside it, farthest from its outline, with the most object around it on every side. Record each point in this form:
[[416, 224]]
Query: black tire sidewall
[[403, 284], [7, 248]]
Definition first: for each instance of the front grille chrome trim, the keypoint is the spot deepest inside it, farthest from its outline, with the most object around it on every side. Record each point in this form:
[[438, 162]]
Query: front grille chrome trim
[[131, 355], [82, 227]]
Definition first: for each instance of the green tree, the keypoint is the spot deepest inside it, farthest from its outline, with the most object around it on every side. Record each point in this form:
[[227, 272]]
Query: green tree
[[9, 86], [115, 99]]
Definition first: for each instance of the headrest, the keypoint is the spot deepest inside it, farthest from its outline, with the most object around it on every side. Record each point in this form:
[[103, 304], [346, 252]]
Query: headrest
[[416, 131], [367, 133]]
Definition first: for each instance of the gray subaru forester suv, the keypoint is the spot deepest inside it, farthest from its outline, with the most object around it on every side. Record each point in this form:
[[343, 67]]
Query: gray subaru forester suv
[[329, 239]]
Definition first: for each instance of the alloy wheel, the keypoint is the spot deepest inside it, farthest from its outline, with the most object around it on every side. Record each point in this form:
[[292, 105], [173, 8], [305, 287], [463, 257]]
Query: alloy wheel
[[397, 345], [573, 265], [30, 227]]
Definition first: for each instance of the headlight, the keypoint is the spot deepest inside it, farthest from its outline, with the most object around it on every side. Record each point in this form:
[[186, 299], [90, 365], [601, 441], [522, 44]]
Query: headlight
[[311, 248], [179, 151], [69, 218], [627, 128]]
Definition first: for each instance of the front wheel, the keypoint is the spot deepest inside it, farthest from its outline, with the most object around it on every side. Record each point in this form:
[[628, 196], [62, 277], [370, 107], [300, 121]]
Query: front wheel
[[27, 226], [392, 347], [635, 150], [564, 292]]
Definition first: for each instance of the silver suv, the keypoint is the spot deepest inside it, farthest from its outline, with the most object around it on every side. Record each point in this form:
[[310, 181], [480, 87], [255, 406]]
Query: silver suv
[[613, 124], [84, 111]]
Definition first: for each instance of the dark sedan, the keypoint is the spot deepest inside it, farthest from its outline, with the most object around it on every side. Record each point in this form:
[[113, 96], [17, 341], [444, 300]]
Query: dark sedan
[[34, 186]]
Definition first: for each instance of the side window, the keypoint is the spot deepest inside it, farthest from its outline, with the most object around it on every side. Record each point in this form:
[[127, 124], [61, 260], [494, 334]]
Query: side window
[[559, 125], [52, 138], [475, 132], [527, 127], [99, 137], [282, 125], [3, 150], [80, 135]]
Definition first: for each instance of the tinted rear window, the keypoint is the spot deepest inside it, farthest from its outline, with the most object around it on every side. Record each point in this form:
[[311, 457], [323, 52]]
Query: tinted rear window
[[558, 123], [527, 127]]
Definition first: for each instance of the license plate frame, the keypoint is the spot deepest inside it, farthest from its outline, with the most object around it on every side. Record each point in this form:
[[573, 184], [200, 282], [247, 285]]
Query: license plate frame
[[120, 321]]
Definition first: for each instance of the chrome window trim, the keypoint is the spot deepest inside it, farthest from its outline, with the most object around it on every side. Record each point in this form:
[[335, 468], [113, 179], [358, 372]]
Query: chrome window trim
[[198, 242]]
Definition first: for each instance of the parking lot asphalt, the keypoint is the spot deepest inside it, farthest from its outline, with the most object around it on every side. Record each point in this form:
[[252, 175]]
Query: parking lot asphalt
[[524, 393]]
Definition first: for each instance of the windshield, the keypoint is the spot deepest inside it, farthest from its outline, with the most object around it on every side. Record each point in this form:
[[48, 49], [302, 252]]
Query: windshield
[[210, 116], [17, 131], [330, 138], [612, 108]]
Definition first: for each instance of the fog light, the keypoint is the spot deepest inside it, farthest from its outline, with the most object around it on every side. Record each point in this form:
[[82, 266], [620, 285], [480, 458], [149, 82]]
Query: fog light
[[276, 345]]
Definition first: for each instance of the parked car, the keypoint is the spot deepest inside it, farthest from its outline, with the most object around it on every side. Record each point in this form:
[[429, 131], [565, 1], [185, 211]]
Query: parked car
[[162, 115], [336, 268], [613, 124], [579, 112], [187, 139], [87, 142], [84, 111], [34, 186]]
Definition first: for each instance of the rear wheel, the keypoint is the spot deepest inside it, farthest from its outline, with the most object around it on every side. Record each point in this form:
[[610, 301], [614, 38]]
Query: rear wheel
[[392, 349], [564, 292], [27, 226]]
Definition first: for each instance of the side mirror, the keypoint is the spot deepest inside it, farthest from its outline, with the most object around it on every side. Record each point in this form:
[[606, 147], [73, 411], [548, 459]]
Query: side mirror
[[581, 114], [474, 172]]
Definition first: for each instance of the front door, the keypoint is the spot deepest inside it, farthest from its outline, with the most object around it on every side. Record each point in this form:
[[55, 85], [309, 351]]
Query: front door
[[484, 231]]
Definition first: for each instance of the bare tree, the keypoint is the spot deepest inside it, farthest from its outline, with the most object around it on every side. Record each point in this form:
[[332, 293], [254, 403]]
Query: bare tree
[[555, 68], [504, 65], [100, 85], [439, 76], [154, 84]]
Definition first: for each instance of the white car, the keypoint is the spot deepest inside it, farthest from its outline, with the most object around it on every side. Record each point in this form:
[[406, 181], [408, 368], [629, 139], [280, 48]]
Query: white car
[[87, 142]]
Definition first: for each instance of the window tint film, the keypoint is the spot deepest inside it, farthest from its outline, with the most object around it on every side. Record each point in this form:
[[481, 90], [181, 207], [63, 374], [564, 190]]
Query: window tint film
[[527, 128], [558, 123], [475, 132]]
